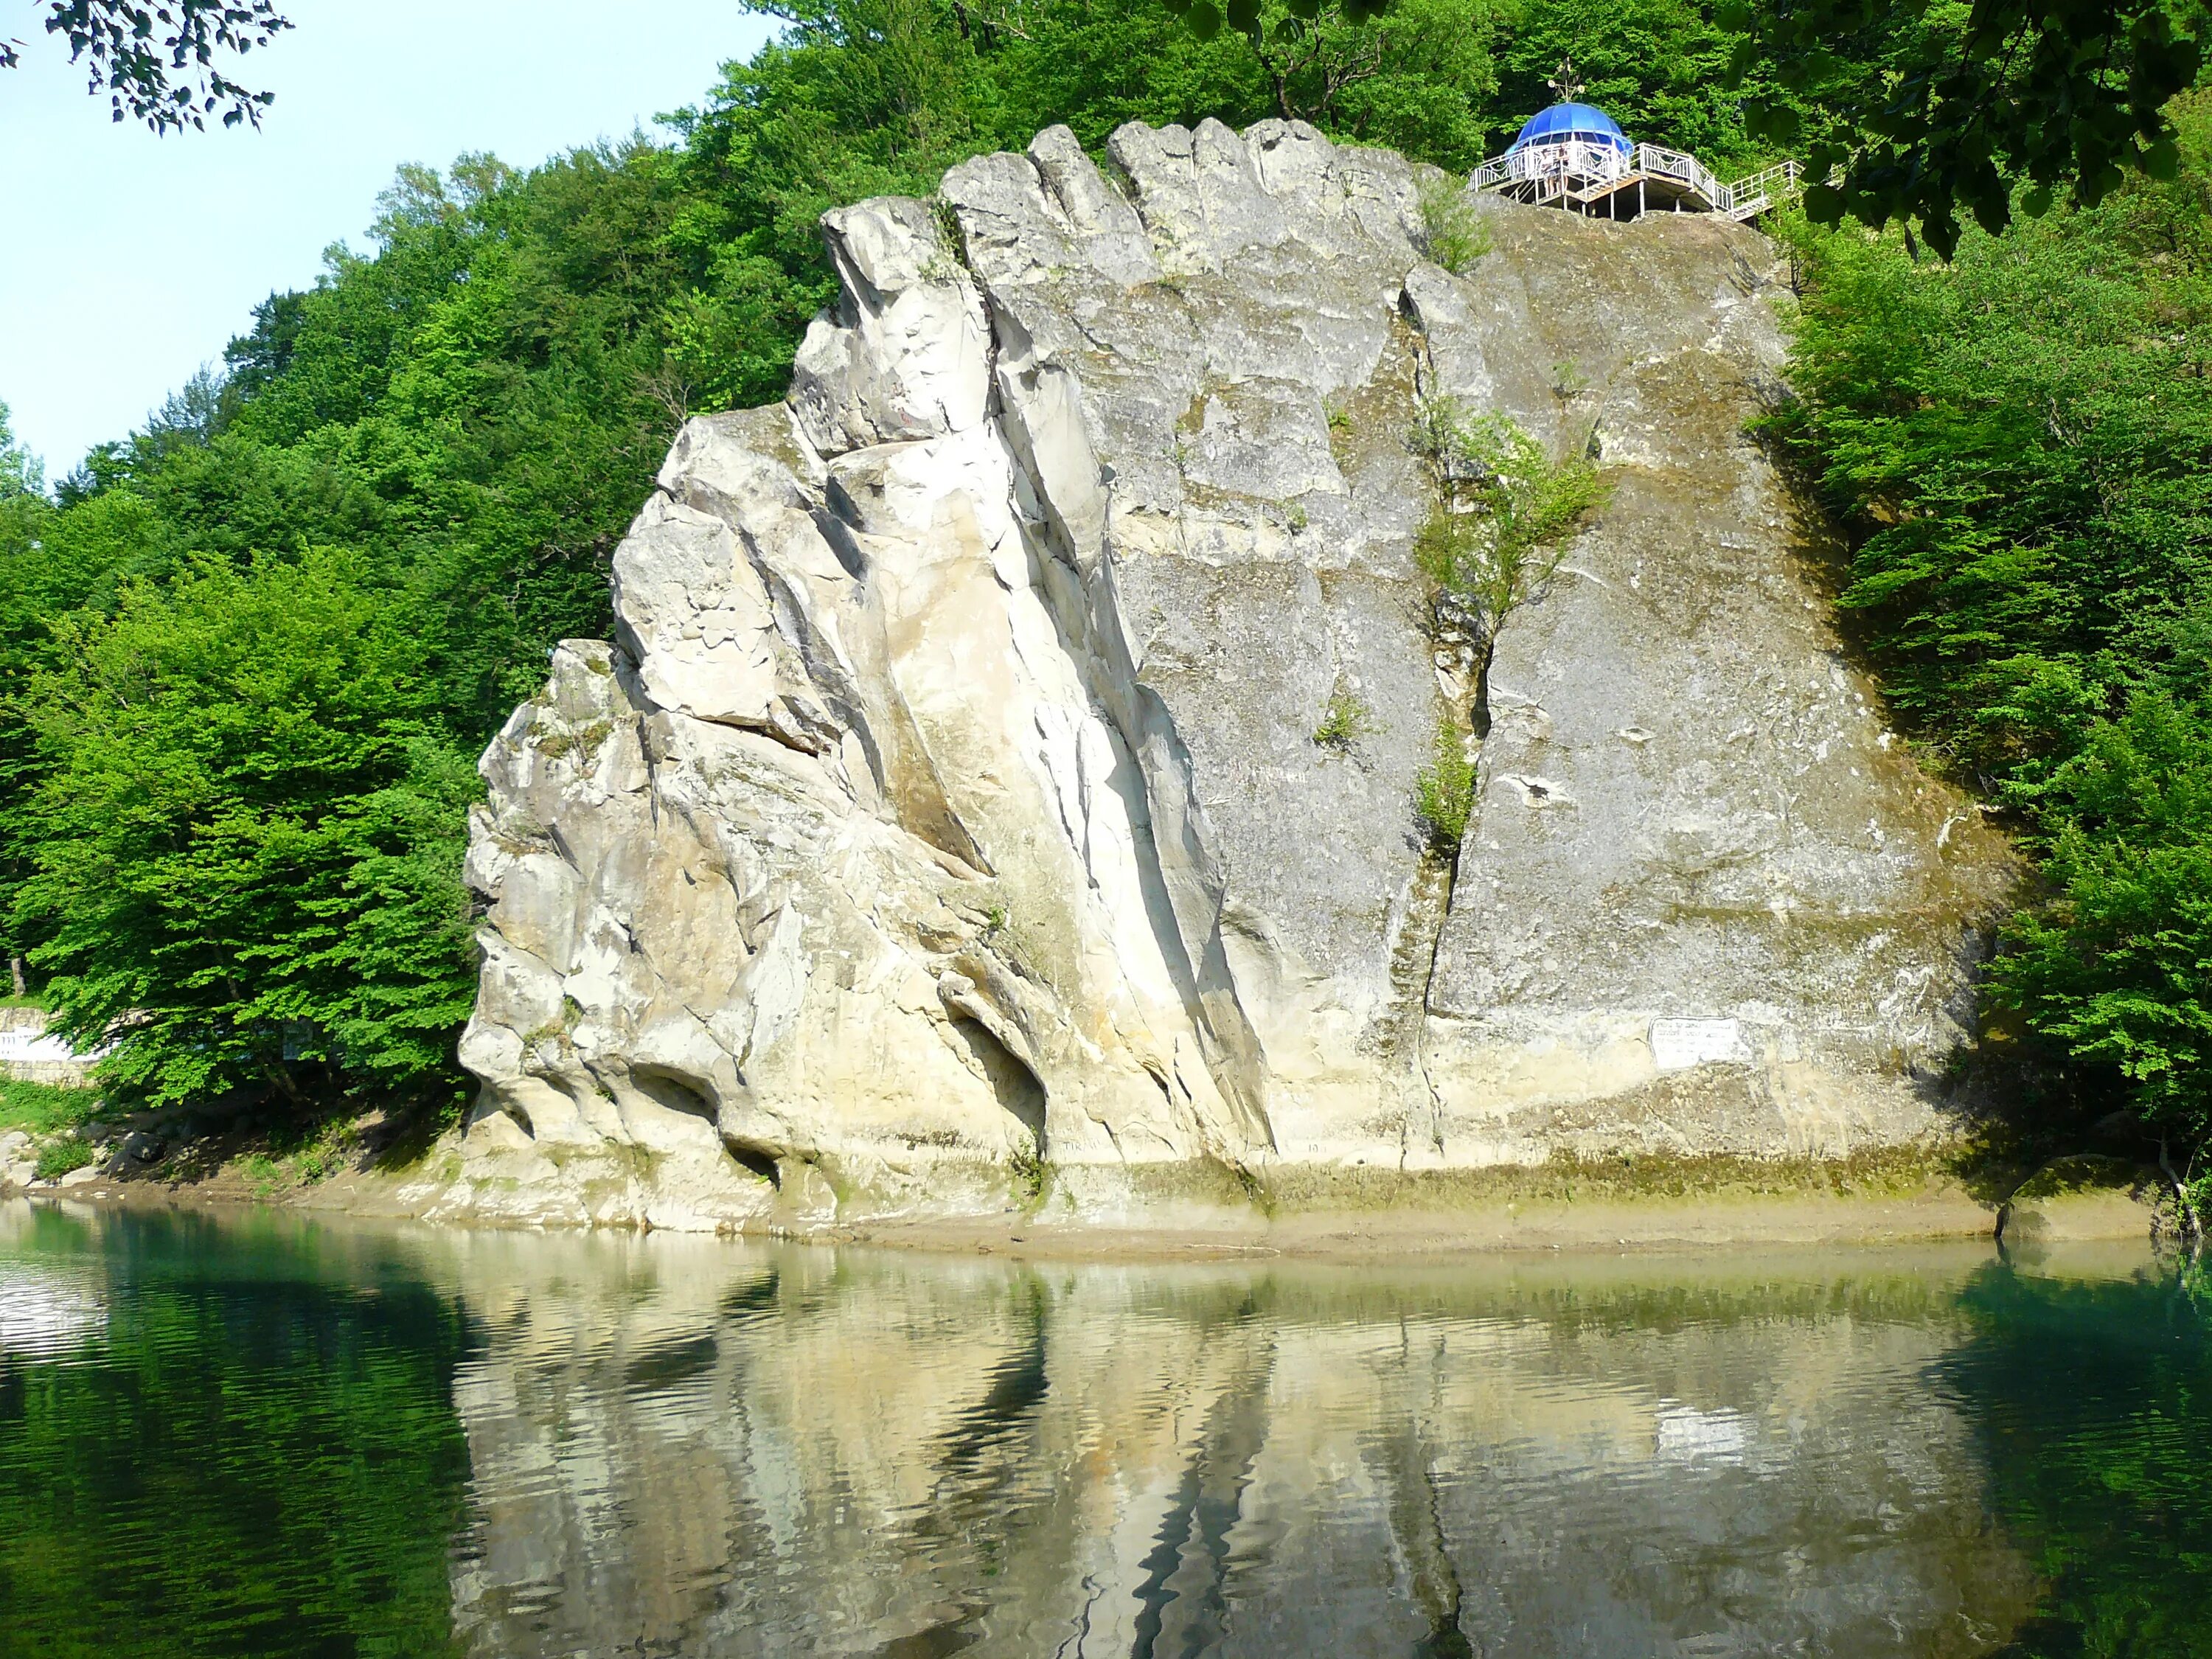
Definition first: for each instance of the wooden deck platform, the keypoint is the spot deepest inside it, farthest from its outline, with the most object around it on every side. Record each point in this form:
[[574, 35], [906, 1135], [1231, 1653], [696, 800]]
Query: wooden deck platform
[[1606, 182]]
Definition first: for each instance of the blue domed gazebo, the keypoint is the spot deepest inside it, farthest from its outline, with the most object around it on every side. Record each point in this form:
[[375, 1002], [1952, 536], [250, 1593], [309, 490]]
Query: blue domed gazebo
[[1573, 123], [1574, 155]]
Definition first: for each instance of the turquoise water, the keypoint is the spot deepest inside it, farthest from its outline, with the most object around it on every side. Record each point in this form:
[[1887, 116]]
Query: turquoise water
[[266, 1436]]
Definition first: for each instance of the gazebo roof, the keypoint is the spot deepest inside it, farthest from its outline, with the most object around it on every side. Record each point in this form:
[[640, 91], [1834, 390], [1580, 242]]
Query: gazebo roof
[[1564, 122]]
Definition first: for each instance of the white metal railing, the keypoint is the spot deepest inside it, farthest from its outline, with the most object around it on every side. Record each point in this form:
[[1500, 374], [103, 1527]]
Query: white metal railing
[[1684, 168], [1756, 194], [1536, 163], [34, 1048], [1586, 169]]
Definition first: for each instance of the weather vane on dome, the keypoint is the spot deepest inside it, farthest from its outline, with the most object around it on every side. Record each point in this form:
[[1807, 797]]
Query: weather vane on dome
[[1564, 83]]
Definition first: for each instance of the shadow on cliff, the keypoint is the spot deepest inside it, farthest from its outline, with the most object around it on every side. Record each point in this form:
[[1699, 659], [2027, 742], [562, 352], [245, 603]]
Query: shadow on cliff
[[2017, 1105]]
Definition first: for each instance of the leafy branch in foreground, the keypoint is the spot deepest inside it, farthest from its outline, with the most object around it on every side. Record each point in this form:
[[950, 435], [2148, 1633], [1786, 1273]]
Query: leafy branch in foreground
[[156, 62], [1931, 109]]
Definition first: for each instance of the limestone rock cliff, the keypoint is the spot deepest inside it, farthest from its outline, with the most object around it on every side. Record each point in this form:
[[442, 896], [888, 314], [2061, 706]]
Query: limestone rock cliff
[[945, 827]]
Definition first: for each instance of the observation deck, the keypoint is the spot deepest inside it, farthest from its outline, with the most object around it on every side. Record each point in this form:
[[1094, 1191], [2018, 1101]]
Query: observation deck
[[1574, 156]]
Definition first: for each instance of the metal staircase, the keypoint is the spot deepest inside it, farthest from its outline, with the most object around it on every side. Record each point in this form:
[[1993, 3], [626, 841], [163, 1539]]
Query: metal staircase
[[1748, 197]]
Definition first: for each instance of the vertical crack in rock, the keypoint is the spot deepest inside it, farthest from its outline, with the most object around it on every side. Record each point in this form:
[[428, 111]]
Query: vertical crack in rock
[[1461, 658], [955, 790], [1403, 1028]]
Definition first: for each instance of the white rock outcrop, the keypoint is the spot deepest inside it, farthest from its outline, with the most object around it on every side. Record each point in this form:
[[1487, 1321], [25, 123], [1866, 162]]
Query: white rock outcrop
[[946, 819]]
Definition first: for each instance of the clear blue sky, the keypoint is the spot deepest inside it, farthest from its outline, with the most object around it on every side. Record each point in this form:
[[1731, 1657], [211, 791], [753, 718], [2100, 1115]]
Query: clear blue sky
[[126, 261]]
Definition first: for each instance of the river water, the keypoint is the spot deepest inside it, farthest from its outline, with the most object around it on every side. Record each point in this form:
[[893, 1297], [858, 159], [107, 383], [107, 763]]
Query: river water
[[262, 1435]]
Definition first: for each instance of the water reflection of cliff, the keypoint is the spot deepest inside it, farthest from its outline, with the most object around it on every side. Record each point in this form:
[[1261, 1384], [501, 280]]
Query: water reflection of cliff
[[683, 1447]]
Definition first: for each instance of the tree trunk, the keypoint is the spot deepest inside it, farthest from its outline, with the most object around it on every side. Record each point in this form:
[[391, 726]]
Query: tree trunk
[[288, 1085], [15, 971], [2185, 1211]]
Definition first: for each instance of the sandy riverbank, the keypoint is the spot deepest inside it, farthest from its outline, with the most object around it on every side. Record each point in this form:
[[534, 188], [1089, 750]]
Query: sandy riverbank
[[1667, 1204]]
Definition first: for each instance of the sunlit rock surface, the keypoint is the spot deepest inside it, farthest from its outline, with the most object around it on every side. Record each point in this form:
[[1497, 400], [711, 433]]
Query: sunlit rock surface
[[945, 826]]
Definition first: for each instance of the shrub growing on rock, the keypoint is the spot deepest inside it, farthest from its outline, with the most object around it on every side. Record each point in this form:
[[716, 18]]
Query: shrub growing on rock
[[1444, 794], [1453, 234]]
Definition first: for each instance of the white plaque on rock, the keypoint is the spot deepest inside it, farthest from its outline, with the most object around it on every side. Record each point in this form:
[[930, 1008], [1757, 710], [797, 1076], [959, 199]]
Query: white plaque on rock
[[1678, 1044]]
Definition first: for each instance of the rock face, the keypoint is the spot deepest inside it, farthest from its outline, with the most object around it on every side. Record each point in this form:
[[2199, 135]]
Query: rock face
[[19, 1160], [946, 826]]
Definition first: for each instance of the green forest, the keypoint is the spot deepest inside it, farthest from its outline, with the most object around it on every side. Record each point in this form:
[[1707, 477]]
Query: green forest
[[250, 652]]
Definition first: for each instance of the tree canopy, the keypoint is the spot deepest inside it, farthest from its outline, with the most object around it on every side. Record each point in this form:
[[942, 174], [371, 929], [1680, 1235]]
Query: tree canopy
[[1912, 109]]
